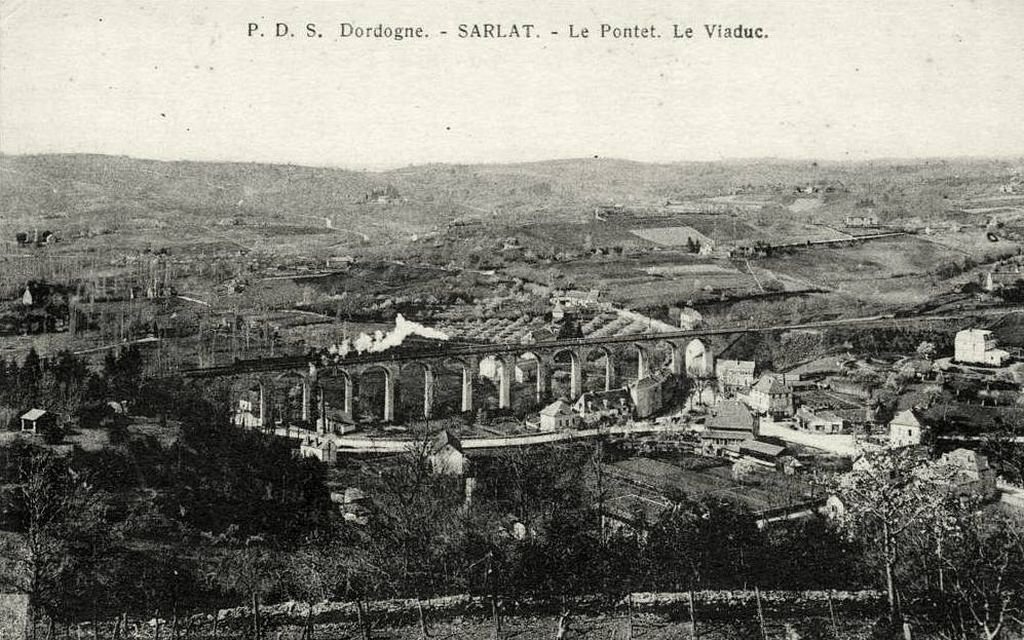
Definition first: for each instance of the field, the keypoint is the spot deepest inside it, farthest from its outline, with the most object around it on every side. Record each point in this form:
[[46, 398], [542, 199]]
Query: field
[[671, 236], [705, 481], [891, 270]]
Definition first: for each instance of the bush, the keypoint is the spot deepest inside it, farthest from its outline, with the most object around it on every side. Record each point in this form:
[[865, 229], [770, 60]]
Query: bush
[[52, 433]]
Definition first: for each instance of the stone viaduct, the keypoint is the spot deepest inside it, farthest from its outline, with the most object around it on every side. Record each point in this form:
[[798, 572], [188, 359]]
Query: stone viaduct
[[542, 359]]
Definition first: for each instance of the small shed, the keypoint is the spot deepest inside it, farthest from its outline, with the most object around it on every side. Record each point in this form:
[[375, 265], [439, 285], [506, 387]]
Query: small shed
[[36, 419]]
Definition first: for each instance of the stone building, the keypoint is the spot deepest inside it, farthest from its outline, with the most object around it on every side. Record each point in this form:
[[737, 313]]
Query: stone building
[[771, 396], [729, 425], [905, 429], [651, 394]]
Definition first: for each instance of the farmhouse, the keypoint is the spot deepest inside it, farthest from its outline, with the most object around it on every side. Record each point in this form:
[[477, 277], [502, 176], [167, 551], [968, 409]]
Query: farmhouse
[[978, 346], [557, 416], [771, 396], [689, 318], [649, 394], [863, 220], [818, 421], [905, 429], [967, 473], [731, 424]]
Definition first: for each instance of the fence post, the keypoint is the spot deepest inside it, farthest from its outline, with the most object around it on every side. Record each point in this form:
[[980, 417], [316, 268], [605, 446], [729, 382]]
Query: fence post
[[832, 614], [629, 625], [760, 613], [693, 617]]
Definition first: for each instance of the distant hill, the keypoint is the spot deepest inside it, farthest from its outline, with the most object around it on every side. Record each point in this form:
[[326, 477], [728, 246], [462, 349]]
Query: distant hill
[[105, 190], [80, 183]]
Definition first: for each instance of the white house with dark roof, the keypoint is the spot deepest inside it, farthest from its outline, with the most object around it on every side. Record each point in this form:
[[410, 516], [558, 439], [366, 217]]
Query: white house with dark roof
[[771, 396], [905, 429], [557, 416], [730, 424]]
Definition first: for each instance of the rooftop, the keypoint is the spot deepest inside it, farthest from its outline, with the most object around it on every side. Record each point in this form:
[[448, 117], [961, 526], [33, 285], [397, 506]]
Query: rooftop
[[772, 385], [756, 446], [33, 414], [557, 408]]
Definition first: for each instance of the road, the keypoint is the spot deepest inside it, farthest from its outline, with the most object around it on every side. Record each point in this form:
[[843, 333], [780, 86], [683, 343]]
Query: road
[[353, 444]]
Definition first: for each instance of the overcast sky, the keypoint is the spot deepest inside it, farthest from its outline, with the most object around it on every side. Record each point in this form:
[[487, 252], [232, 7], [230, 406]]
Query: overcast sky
[[835, 79]]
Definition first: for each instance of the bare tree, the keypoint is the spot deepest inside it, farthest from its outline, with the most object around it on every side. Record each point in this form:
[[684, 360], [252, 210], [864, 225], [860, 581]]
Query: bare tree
[[986, 579], [57, 513], [885, 499]]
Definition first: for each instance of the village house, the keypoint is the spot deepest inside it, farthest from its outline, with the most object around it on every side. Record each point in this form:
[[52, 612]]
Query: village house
[[323, 449], [735, 376], [863, 220], [730, 424], [335, 420], [37, 421], [557, 416], [575, 299], [978, 346], [688, 318], [905, 429], [771, 396], [822, 421], [594, 406], [651, 394], [248, 410], [967, 473], [446, 455]]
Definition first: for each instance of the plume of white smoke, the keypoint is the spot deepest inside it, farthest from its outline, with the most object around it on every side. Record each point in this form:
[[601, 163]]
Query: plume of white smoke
[[380, 341]]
